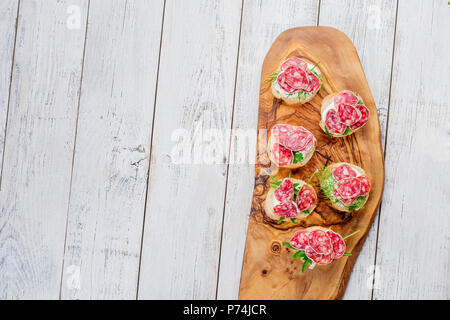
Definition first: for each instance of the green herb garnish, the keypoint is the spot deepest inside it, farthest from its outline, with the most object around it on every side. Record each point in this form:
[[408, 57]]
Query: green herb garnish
[[298, 156], [327, 183], [275, 184], [280, 220], [306, 212], [300, 254], [287, 244], [312, 69], [351, 234], [327, 132], [294, 221], [272, 77], [358, 205], [347, 131]]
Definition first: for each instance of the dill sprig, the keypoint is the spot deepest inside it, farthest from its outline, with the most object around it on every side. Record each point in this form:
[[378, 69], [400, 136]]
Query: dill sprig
[[272, 77], [358, 205], [327, 183]]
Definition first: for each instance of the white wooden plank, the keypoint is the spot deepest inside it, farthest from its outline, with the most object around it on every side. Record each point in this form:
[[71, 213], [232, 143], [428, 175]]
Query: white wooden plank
[[112, 149], [370, 25], [413, 254], [39, 148], [8, 15], [185, 201], [262, 22]]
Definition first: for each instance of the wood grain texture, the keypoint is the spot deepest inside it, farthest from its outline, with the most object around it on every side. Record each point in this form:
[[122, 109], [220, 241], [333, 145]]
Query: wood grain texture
[[269, 272], [8, 15], [185, 200], [38, 149], [370, 25], [262, 22], [413, 250], [112, 150]]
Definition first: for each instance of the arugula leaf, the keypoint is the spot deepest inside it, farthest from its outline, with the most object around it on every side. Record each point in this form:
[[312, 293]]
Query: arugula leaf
[[293, 221], [287, 244], [305, 264], [298, 255], [297, 189], [360, 102], [298, 156], [280, 220], [275, 184], [347, 131], [306, 212], [347, 254], [327, 132]]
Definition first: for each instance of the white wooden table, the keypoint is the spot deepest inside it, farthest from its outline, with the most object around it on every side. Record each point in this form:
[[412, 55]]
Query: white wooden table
[[94, 203]]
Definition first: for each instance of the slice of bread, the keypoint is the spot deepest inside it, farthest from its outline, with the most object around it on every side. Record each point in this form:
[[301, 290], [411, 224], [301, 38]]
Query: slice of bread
[[306, 155], [271, 202], [328, 102], [299, 97], [339, 205], [293, 99]]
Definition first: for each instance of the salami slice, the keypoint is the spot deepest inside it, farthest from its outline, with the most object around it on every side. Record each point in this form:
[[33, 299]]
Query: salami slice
[[322, 259], [281, 79], [348, 114], [333, 123], [294, 61], [319, 242], [364, 117], [365, 185], [282, 156], [342, 172], [286, 210], [338, 244], [345, 97], [306, 197], [300, 240], [298, 139], [279, 132], [309, 146], [314, 82], [296, 78], [285, 192], [346, 202], [349, 188]]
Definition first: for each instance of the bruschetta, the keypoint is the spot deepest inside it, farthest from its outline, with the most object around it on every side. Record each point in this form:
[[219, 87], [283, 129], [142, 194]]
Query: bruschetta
[[290, 200], [345, 186], [343, 113], [296, 81], [317, 246], [290, 146]]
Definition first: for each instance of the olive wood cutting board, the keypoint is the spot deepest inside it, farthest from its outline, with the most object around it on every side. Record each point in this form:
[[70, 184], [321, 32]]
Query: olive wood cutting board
[[268, 270]]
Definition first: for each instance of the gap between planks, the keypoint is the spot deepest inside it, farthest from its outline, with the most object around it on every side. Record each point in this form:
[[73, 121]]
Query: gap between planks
[[150, 148], [74, 146], [9, 92], [385, 147], [229, 149]]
